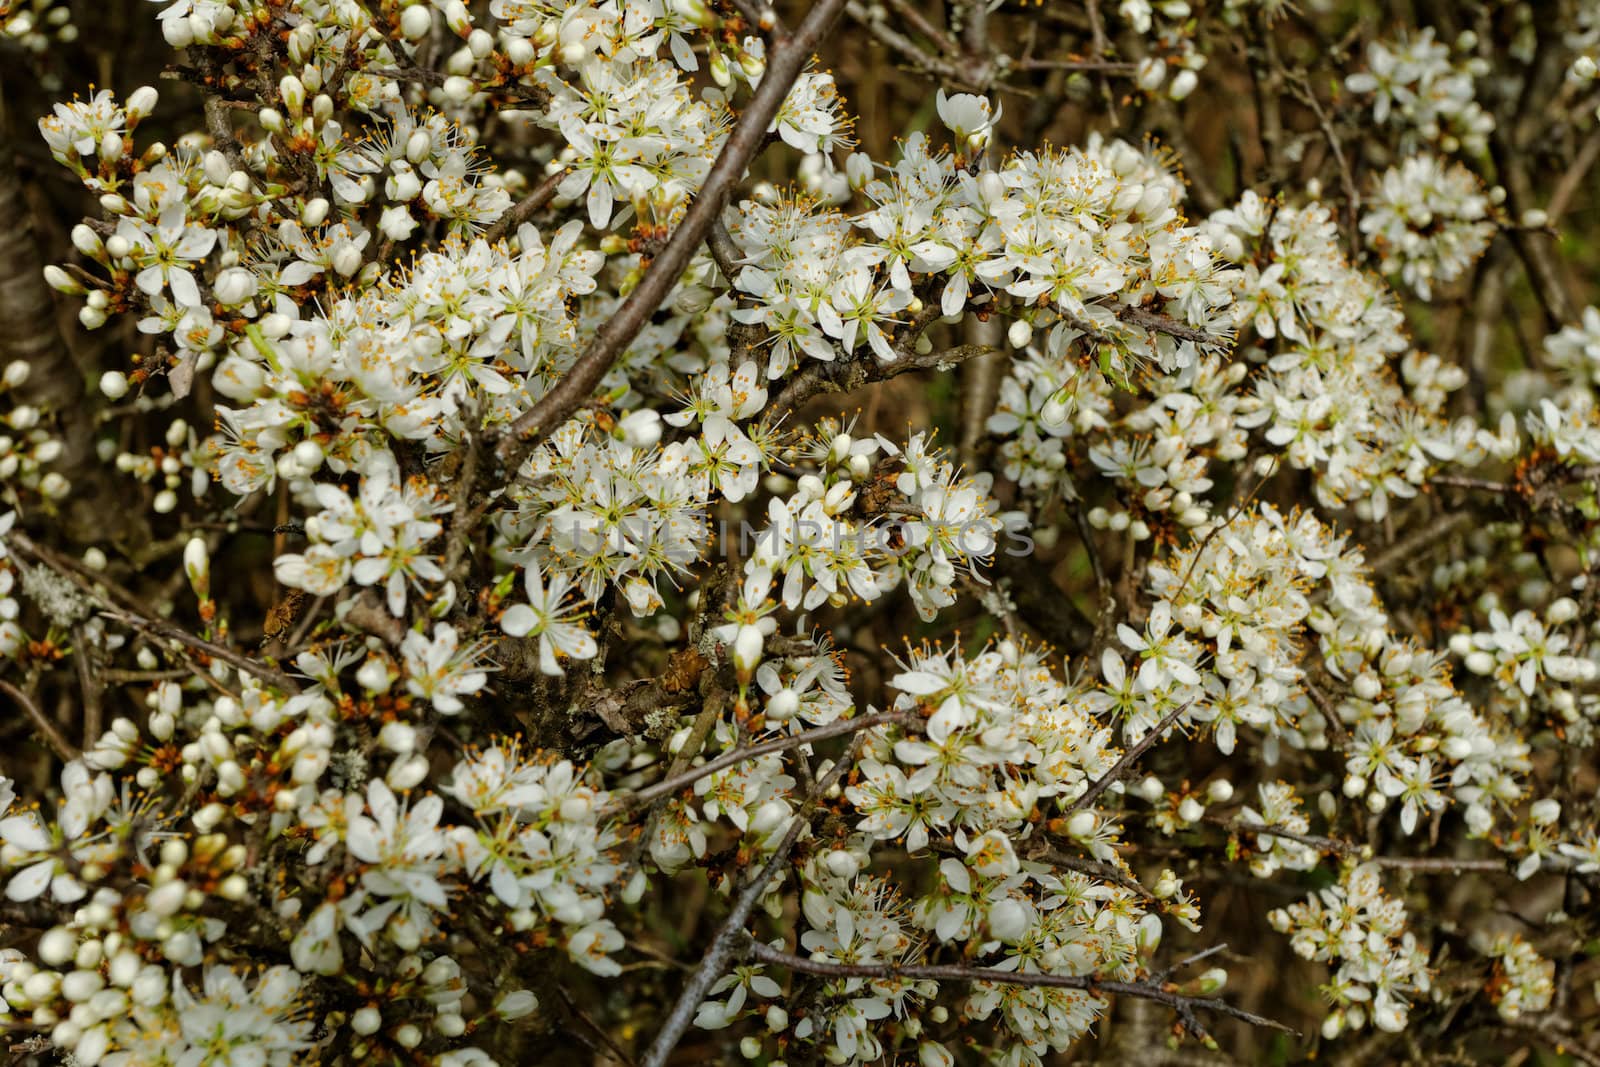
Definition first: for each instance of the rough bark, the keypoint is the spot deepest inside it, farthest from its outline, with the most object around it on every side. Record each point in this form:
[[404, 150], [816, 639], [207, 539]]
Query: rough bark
[[27, 307]]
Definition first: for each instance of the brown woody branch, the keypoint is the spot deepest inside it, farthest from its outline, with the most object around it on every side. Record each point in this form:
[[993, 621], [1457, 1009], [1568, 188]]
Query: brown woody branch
[[843, 376], [731, 933], [788, 57], [48, 730], [523, 209], [673, 783], [1121, 768], [1162, 993], [122, 606]]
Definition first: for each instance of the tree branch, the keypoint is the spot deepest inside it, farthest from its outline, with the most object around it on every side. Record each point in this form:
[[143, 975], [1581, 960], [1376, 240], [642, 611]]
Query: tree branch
[[959, 973], [843, 376], [523, 209], [673, 783], [732, 932], [48, 730], [1125, 764], [27, 309], [132, 614], [788, 57]]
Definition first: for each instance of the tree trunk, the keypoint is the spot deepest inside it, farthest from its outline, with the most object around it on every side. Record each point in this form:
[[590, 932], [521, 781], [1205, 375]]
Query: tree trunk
[[27, 306]]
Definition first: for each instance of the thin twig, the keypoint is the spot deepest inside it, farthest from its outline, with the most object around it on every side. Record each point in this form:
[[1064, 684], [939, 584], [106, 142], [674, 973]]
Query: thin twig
[[1188, 961], [732, 932], [1352, 195], [920, 23], [1484, 485], [1561, 199], [221, 130], [958, 973], [1426, 864], [843, 376], [1107, 66], [1434, 535], [675, 782], [1156, 322], [48, 730], [89, 684], [174, 632], [1094, 868], [899, 42], [523, 209], [724, 250], [1125, 764], [133, 614], [788, 56]]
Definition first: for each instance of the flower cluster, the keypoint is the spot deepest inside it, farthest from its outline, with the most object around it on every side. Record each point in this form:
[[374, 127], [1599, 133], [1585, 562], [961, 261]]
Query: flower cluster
[[1429, 221], [498, 570], [1417, 85], [1360, 928], [1524, 982]]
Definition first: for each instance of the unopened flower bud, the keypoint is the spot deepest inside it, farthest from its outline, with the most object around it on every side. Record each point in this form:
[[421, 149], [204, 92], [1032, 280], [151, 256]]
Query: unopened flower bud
[[842, 863], [416, 21], [141, 102], [640, 429], [62, 282], [418, 146], [293, 93], [769, 816], [1009, 920], [838, 498], [197, 565], [1208, 984], [347, 260], [520, 51], [747, 644], [234, 286], [1148, 934], [1562, 611], [167, 899], [783, 705], [57, 946], [457, 17], [1150, 73], [85, 240], [398, 737], [308, 454], [721, 72], [407, 773]]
